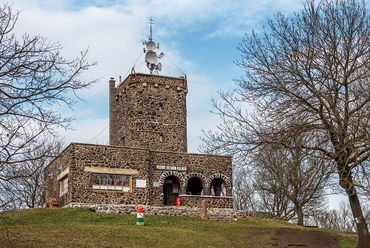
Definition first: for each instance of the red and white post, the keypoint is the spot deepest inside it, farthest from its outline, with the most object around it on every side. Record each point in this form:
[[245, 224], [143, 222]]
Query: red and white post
[[140, 217]]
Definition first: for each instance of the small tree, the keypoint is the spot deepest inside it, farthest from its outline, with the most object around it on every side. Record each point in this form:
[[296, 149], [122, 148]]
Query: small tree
[[27, 191], [311, 74], [244, 193], [291, 176]]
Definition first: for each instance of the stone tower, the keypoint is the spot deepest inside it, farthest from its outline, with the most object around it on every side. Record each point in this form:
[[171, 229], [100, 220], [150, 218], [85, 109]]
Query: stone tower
[[148, 111]]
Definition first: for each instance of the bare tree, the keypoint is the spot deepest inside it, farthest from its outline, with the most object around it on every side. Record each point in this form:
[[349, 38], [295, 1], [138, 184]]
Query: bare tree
[[34, 77], [292, 175], [244, 193], [310, 73], [340, 218], [27, 191], [274, 201]]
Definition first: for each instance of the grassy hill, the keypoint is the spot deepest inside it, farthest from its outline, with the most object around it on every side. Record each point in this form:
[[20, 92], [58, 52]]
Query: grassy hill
[[79, 227]]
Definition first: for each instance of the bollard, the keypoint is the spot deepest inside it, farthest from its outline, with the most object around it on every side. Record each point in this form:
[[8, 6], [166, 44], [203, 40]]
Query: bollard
[[140, 217], [204, 209]]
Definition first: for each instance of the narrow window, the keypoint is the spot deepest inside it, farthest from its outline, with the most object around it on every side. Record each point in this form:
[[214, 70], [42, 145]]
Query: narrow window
[[63, 185], [160, 107], [161, 138]]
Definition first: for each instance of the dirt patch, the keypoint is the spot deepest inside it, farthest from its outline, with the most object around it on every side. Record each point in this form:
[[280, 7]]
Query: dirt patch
[[308, 239]]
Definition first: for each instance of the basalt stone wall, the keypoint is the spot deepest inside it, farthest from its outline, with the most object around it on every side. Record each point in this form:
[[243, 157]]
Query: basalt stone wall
[[92, 159], [184, 166], [151, 113], [58, 169], [213, 213], [79, 162], [212, 201]]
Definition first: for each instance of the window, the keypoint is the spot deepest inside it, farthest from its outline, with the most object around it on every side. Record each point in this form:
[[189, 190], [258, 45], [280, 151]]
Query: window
[[160, 107], [63, 185], [194, 187], [218, 187], [161, 138], [111, 183]]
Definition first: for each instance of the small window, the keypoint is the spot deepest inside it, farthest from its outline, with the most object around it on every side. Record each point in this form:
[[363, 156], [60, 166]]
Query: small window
[[161, 138], [160, 107], [64, 185], [111, 183]]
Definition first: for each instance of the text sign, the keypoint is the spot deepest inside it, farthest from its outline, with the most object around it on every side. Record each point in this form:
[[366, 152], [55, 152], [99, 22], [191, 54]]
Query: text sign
[[168, 167]]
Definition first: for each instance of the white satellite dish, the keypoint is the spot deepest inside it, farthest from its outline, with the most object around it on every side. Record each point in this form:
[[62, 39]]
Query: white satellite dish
[[151, 57], [161, 55], [150, 46], [159, 66]]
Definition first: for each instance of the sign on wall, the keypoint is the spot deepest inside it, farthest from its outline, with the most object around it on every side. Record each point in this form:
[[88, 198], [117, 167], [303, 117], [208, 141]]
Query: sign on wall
[[168, 167], [155, 184], [140, 183]]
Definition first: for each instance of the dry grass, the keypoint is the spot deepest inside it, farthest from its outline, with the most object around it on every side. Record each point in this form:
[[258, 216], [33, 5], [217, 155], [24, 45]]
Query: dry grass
[[78, 227]]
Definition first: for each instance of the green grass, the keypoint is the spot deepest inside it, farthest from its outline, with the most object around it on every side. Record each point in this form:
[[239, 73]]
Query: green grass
[[79, 227]]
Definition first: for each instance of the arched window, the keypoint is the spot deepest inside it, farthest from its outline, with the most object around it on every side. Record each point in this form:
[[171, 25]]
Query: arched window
[[194, 187], [218, 187]]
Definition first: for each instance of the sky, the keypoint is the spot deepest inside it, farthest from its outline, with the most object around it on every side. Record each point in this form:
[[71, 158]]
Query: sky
[[198, 37]]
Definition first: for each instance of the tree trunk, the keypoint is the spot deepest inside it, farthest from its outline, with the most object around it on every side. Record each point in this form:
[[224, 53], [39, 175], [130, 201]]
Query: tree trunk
[[363, 231], [299, 213]]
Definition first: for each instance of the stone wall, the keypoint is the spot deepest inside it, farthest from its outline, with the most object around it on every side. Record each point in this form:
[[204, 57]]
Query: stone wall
[[52, 173], [83, 160], [113, 160], [204, 167], [149, 112], [218, 214], [212, 201]]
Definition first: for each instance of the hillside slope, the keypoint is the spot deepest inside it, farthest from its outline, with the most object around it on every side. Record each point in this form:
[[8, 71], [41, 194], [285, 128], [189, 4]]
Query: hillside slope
[[79, 227]]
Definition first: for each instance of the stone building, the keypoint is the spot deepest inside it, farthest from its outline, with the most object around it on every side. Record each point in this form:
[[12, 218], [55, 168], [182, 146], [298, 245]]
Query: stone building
[[146, 162]]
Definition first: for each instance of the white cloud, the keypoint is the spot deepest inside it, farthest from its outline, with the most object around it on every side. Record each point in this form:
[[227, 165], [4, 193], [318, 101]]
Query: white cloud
[[95, 131], [113, 31]]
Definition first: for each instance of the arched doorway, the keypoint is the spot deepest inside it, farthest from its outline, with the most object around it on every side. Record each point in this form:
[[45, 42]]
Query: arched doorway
[[218, 187], [194, 187], [171, 190]]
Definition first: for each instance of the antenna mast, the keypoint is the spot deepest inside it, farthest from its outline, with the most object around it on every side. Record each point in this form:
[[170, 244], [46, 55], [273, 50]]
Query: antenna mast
[[151, 24], [151, 57]]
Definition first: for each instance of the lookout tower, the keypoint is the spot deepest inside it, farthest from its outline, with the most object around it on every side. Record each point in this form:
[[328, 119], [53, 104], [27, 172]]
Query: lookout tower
[[146, 163], [149, 110]]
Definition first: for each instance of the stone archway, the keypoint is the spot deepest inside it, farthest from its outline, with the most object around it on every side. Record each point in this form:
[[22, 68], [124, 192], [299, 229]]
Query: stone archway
[[177, 174], [216, 181], [194, 186], [201, 177]]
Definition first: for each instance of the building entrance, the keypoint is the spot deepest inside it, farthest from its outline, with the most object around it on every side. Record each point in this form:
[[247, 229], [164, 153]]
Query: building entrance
[[171, 190]]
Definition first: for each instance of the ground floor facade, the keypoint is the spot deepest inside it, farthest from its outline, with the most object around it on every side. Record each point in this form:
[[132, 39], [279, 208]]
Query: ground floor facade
[[101, 174]]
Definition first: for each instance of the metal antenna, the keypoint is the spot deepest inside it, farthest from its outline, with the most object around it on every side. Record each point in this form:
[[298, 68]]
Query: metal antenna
[[151, 57], [151, 24]]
